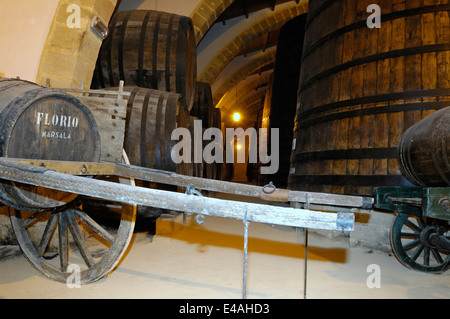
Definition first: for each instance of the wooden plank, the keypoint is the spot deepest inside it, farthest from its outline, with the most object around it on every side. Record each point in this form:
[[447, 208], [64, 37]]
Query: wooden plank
[[106, 105], [110, 116]]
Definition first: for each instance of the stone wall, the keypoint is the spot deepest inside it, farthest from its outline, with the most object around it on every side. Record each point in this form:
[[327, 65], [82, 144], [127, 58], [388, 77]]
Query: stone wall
[[71, 49]]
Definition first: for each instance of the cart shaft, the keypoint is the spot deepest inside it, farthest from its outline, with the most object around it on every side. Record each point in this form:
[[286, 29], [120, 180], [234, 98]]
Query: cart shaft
[[171, 178], [287, 216]]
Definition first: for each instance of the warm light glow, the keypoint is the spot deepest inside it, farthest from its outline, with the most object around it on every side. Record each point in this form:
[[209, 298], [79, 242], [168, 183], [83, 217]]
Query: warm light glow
[[238, 146], [236, 116]]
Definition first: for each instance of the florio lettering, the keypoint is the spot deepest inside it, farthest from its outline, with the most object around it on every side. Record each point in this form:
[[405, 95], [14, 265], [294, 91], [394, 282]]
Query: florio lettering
[[56, 120]]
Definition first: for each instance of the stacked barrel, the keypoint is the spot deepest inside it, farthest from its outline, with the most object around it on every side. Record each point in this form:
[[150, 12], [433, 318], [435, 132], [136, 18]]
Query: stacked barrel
[[361, 88], [154, 53]]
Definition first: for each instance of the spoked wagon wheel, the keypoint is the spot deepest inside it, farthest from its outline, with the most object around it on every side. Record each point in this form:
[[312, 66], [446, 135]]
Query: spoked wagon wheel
[[410, 244], [50, 250]]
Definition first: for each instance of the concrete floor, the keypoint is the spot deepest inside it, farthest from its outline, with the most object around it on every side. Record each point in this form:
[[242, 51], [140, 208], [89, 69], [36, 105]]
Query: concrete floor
[[206, 262]]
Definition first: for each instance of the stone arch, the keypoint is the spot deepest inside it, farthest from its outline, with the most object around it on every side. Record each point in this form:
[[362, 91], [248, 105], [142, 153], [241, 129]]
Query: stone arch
[[205, 14], [248, 106], [244, 92], [69, 55], [249, 68], [229, 51]]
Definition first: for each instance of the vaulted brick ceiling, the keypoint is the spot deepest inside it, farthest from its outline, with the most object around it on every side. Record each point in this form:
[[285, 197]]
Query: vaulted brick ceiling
[[236, 54]]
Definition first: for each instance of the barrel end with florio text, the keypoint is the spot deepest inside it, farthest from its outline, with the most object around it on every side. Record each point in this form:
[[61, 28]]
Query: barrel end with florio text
[[42, 123]]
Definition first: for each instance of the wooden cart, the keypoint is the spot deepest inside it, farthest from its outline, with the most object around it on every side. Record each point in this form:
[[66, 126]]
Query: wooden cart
[[420, 233], [46, 194]]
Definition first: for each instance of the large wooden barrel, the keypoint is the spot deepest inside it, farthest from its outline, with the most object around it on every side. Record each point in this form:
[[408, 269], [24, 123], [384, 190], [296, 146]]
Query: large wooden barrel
[[203, 104], [42, 123], [152, 116], [149, 49], [424, 150], [253, 169], [361, 88], [282, 101]]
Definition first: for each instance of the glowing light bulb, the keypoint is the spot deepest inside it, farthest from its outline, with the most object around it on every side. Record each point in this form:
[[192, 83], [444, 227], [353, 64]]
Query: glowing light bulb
[[236, 117]]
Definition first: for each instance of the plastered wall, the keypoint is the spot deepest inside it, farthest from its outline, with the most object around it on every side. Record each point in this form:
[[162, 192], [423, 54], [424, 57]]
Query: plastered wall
[[24, 28]]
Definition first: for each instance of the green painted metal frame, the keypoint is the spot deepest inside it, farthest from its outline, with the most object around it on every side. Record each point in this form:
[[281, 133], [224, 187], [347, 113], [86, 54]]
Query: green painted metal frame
[[431, 202]]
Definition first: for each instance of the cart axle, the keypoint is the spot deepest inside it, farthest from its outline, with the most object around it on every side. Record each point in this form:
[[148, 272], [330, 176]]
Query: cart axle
[[438, 241]]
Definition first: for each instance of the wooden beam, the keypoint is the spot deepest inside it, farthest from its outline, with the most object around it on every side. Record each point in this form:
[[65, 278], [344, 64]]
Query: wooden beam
[[270, 214], [171, 178]]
